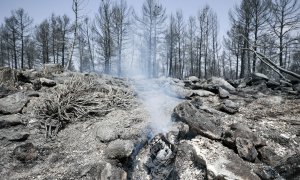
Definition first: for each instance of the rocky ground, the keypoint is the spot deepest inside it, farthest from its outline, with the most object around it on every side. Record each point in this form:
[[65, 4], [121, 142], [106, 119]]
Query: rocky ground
[[63, 125]]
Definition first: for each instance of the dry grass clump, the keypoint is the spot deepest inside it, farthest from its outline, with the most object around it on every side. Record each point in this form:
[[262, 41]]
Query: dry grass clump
[[81, 96]]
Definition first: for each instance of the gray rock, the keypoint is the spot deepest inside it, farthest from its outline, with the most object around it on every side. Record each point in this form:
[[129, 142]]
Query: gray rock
[[229, 106], [37, 85], [201, 93], [223, 94], [187, 165], [240, 131], [25, 152], [219, 82], [10, 120], [17, 136], [200, 121], [47, 82], [13, 103], [267, 173], [246, 149], [178, 131], [119, 149], [106, 134], [220, 161], [269, 156], [289, 168], [193, 79], [259, 76]]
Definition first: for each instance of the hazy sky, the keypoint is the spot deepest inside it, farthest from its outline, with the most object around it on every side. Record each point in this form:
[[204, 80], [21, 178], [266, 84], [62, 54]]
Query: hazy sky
[[41, 9]]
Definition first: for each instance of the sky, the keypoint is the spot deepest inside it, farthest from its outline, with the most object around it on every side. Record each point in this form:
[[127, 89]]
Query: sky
[[42, 9]]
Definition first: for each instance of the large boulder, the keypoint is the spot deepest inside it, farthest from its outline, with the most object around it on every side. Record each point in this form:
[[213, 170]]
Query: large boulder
[[13, 103], [199, 120], [220, 162]]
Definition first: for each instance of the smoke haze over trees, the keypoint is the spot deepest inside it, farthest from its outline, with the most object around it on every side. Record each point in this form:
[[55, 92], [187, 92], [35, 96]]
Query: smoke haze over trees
[[120, 40]]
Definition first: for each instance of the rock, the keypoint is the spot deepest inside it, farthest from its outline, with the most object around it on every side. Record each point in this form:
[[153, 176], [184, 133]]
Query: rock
[[106, 134], [237, 130], [161, 157], [199, 120], [246, 149], [119, 149], [7, 76], [186, 165], [13, 103], [201, 93], [259, 76], [269, 156], [53, 69], [36, 84], [10, 120], [178, 131], [25, 152], [193, 79], [47, 82], [220, 161], [223, 94], [267, 173], [17, 136], [290, 167], [229, 107], [219, 82]]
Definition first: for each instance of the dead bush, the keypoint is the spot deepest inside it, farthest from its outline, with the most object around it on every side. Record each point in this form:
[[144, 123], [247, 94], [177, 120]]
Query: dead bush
[[79, 97]]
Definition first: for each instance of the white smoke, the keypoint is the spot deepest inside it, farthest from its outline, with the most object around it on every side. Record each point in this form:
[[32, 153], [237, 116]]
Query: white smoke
[[159, 105]]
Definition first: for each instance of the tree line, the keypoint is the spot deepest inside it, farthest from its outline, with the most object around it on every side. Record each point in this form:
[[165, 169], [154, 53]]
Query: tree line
[[120, 39]]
